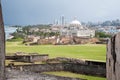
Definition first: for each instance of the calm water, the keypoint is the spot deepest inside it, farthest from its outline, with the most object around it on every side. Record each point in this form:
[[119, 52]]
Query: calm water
[[9, 30]]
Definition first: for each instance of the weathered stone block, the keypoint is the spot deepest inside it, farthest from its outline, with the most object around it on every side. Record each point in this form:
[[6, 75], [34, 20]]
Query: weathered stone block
[[113, 58], [2, 47]]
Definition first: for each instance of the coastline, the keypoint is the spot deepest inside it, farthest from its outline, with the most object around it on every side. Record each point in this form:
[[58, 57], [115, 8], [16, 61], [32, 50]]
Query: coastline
[[8, 31]]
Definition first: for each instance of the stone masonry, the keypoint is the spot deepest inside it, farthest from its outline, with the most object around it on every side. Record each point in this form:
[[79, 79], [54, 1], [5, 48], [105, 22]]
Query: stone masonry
[[113, 58]]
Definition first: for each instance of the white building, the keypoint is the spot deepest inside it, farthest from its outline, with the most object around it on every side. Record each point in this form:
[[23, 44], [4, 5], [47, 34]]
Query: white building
[[76, 29]]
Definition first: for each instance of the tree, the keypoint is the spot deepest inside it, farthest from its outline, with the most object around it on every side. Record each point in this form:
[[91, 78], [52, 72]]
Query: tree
[[102, 35], [2, 46]]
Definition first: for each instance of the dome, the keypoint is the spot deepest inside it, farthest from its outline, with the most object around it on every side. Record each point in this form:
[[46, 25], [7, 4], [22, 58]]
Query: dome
[[75, 22]]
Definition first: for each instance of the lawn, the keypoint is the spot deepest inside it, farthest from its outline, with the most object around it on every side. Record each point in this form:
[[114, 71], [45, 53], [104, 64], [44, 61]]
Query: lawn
[[87, 51], [73, 75]]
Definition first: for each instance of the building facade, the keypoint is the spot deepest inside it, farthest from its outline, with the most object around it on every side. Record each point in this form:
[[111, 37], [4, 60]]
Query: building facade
[[76, 29]]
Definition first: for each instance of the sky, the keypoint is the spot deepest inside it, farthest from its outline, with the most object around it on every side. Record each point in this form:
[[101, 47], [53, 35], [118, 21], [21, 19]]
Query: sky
[[26, 12]]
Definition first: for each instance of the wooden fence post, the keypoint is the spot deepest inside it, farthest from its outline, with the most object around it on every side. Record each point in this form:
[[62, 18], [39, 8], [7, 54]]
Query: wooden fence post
[[2, 46], [113, 58]]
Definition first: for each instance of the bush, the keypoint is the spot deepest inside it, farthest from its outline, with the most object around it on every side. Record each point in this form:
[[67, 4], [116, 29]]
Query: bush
[[15, 39], [102, 35]]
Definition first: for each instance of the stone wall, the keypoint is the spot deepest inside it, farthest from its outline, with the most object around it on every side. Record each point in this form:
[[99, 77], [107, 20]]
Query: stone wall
[[41, 67], [29, 58], [2, 46], [87, 69], [46, 41], [38, 58], [65, 60], [62, 64], [65, 40], [113, 58]]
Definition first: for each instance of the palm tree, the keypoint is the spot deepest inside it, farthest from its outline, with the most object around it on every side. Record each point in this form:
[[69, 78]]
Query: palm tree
[[2, 46]]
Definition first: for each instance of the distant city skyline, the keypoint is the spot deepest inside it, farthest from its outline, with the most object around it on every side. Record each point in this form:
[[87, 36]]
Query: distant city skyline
[[26, 12]]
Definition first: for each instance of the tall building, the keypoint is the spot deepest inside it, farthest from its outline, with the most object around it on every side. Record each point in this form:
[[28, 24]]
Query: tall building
[[63, 20]]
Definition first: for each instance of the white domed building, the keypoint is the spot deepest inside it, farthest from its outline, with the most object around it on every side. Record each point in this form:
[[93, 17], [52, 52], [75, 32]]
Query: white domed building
[[76, 29]]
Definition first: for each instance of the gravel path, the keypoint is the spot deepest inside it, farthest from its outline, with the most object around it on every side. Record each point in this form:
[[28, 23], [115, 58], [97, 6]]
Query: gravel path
[[21, 75]]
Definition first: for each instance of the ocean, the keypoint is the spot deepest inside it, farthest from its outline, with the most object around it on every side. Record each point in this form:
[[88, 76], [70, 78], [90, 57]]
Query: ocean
[[9, 30]]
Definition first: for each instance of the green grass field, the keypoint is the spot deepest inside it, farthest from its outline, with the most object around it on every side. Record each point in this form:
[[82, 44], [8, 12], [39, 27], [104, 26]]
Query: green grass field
[[73, 75], [87, 51]]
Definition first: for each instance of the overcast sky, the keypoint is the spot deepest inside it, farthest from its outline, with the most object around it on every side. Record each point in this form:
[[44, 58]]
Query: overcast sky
[[24, 12]]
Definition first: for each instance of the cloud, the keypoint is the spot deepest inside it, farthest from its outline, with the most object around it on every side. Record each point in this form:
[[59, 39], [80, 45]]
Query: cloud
[[44, 11]]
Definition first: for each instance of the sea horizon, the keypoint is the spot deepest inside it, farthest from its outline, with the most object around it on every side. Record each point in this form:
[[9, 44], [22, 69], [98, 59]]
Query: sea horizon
[[8, 31]]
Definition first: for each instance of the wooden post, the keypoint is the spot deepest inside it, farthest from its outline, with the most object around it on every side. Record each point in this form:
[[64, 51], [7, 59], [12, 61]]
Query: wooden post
[[2, 46], [113, 58]]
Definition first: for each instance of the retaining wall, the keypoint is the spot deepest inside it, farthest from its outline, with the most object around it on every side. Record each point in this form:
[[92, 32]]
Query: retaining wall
[[87, 69]]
